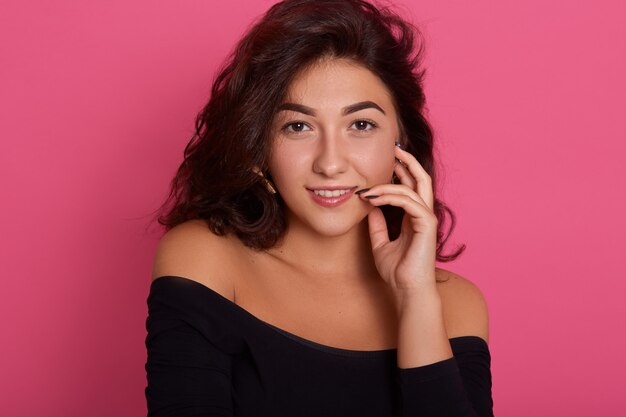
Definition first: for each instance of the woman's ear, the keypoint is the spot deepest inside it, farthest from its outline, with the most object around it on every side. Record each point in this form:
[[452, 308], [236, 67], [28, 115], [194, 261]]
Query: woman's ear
[[401, 138], [401, 142]]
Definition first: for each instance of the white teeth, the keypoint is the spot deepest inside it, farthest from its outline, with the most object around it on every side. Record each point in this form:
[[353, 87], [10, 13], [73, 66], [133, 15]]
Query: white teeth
[[329, 193]]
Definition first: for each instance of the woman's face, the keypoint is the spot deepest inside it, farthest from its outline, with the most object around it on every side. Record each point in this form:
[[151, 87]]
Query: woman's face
[[335, 134]]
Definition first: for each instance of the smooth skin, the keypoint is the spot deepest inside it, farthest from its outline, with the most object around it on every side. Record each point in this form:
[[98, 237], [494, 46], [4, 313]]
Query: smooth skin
[[322, 139], [407, 264]]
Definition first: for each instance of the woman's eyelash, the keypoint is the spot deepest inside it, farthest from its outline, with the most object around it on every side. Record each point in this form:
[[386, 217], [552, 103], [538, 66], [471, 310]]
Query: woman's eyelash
[[286, 126], [374, 125], [371, 123]]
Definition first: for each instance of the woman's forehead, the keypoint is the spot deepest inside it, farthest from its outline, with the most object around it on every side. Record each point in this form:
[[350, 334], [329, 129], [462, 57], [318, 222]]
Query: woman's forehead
[[337, 83]]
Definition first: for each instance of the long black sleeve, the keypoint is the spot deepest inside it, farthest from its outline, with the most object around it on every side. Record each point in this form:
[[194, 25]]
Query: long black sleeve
[[187, 375], [455, 387]]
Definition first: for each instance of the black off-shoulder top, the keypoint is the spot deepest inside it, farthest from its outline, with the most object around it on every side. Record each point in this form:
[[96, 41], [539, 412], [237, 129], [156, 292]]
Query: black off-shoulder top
[[207, 356]]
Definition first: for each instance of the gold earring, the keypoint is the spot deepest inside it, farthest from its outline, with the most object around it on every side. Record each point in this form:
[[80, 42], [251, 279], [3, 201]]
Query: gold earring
[[268, 183]]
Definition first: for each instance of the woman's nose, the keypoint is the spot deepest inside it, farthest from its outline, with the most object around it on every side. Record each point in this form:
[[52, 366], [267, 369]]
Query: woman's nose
[[330, 158]]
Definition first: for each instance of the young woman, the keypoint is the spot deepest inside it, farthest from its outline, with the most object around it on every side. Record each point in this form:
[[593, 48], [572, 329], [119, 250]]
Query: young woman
[[297, 276]]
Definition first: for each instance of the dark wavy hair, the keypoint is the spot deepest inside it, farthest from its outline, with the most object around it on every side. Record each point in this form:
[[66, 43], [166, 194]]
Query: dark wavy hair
[[217, 181]]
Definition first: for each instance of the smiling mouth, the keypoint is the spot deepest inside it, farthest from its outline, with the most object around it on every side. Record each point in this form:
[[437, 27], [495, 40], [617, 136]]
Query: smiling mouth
[[331, 196], [332, 193]]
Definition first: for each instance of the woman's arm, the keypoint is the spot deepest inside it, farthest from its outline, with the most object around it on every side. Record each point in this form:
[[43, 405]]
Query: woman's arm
[[407, 265], [187, 373], [458, 385], [422, 337]]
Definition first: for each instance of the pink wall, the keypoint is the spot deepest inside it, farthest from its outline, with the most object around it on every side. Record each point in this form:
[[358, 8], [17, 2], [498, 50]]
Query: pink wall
[[97, 101]]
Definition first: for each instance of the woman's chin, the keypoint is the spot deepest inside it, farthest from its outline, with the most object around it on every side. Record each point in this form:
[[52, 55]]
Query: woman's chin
[[333, 227]]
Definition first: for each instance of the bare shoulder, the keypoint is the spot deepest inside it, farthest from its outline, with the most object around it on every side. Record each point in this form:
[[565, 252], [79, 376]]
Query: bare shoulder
[[464, 306], [191, 250]]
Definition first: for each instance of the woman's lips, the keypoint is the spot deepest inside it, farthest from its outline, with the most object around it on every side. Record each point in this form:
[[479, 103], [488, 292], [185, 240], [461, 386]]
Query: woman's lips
[[331, 201]]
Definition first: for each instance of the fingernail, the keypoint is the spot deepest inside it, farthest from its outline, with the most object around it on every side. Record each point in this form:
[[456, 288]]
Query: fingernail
[[364, 190], [399, 145], [372, 196]]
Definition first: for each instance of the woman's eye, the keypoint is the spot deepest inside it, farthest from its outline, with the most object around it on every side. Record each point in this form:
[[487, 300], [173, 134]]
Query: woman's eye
[[362, 125], [295, 127]]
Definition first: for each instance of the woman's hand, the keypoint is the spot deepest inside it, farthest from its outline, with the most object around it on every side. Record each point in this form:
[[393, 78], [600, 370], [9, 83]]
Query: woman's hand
[[407, 264]]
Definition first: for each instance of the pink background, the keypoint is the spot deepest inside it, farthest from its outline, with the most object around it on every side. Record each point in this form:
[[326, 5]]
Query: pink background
[[97, 104]]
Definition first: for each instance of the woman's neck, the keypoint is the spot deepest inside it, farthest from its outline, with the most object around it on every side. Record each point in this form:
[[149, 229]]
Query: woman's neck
[[323, 260]]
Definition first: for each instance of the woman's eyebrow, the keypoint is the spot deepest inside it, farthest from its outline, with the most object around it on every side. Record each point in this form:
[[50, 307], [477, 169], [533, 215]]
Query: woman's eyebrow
[[301, 108], [360, 106]]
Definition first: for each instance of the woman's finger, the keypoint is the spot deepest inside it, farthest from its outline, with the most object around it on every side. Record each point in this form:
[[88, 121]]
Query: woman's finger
[[405, 176], [379, 235], [424, 181], [411, 207], [392, 189]]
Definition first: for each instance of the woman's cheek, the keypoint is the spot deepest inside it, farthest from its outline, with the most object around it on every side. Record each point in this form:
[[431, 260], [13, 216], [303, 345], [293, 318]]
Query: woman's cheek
[[378, 164], [287, 168]]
